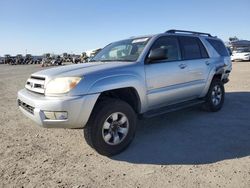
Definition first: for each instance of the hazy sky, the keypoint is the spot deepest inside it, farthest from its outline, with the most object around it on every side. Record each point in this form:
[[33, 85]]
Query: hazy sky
[[57, 26]]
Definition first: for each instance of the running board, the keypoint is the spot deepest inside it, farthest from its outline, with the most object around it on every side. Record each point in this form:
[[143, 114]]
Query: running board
[[172, 108]]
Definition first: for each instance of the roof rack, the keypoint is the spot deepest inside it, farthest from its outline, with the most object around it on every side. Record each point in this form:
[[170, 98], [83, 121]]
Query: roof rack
[[189, 32]]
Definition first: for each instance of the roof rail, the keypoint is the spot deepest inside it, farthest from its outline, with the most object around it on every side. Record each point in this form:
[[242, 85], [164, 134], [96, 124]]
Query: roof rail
[[190, 32]]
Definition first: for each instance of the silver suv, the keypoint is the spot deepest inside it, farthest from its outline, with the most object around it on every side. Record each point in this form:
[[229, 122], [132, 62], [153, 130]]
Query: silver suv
[[141, 76]]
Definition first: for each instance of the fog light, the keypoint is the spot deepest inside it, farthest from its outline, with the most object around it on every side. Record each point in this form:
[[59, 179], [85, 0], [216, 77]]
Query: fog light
[[61, 115], [49, 115], [56, 115]]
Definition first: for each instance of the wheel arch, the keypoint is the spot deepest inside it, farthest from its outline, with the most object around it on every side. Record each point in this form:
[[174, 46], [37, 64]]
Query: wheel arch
[[127, 94], [216, 73], [129, 88]]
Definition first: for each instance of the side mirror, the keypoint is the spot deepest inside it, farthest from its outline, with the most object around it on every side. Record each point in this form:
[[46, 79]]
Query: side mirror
[[157, 54]]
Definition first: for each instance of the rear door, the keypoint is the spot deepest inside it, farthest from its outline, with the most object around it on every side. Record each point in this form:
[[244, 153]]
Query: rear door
[[195, 56]]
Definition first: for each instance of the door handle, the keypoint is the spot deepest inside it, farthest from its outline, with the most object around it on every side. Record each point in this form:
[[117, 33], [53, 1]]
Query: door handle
[[182, 66], [207, 62]]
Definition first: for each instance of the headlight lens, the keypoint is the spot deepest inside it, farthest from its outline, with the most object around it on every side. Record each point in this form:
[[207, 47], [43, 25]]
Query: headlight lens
[[61, 85], [247, 54]]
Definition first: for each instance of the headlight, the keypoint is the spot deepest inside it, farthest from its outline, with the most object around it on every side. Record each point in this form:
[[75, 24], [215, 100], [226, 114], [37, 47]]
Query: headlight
[[247, 54], [61, 85]]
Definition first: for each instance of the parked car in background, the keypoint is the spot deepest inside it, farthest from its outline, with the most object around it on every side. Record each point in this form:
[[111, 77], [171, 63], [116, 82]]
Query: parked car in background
[[28, 59], [51, 60], [37, 59], [56, 60], [241, 55], [67, 57], [84, 57], [19, 59], [1, 60], [8, 59], [76, 59], [47, 60], [94, 52]]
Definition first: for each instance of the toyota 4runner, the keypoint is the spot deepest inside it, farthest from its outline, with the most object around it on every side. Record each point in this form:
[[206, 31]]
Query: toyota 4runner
[[141, 76]]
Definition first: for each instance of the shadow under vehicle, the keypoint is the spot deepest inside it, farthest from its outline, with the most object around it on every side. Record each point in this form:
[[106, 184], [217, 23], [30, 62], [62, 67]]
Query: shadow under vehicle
[[193, 137]]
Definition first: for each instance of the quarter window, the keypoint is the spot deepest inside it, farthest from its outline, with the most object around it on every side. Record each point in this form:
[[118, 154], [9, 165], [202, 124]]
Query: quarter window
[[219, 47], [203, 50]]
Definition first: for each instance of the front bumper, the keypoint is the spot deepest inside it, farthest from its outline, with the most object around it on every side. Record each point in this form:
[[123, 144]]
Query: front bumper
[[78, 108]]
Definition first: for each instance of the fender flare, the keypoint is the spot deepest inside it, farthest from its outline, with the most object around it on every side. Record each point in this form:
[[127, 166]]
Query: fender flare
[[219, 70], [122, 81]]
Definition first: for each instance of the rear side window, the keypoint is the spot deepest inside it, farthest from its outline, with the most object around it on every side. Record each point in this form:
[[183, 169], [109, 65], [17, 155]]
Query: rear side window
[[192, 48], [219, 47]]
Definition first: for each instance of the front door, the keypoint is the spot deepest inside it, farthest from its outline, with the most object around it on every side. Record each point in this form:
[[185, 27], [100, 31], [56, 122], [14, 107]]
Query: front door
[[166, 79]]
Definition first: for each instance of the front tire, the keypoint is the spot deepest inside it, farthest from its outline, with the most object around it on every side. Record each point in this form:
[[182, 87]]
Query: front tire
[[215, 96], [111, 127]]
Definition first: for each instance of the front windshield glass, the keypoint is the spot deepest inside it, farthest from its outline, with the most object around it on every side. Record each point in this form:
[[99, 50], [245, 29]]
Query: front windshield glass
[[126, 50]]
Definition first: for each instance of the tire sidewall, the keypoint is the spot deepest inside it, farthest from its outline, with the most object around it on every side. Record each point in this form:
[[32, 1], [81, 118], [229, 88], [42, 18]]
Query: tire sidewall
[[210, 103], [98, 142]]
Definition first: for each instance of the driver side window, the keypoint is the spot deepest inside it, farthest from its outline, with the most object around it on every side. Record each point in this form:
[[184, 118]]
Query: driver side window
[[170, 46]]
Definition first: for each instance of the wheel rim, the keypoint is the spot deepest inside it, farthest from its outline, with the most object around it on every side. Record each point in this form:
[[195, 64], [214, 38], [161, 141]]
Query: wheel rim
[[115, 128], [216, 95]]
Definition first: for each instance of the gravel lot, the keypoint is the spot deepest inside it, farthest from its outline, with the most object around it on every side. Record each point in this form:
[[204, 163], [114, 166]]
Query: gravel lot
[[191, 148]]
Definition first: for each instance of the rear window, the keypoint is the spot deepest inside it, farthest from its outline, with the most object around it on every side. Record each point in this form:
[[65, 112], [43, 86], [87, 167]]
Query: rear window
[[192, 48], [219, 47]]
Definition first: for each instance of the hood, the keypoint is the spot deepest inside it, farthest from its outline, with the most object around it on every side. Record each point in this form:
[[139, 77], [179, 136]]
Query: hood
[[80, 69]]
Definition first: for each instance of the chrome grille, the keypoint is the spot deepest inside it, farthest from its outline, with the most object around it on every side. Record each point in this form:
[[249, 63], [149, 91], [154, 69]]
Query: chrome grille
[[35, 84], [26, 107]]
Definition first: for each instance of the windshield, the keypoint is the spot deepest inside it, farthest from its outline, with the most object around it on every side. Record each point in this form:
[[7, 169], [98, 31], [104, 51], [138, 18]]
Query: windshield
[[126, 50]]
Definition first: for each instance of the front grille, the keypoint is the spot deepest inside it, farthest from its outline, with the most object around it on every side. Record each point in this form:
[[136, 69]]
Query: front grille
[[26, 107], [35, 84]]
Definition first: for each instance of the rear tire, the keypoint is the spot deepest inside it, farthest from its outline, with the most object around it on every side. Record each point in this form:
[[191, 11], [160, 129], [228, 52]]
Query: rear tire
[[111, 127], [215, 96]]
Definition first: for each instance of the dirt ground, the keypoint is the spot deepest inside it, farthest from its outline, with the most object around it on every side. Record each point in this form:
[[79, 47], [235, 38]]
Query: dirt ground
[[191, 148]]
